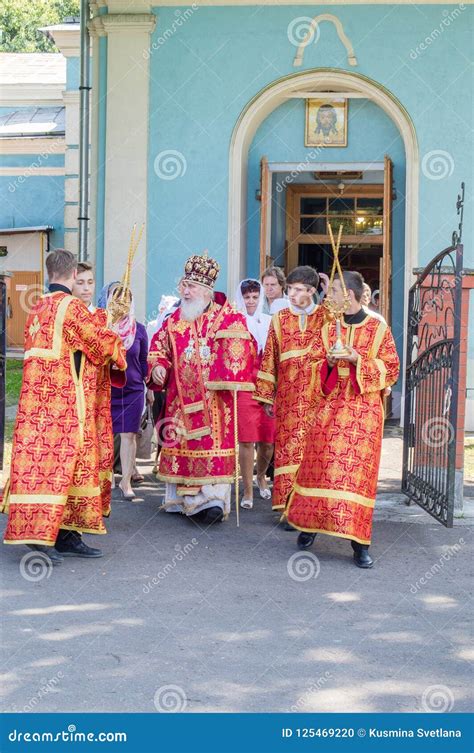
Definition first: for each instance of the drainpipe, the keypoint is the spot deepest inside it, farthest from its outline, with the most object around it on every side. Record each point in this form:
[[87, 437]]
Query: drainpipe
[[84, 107]]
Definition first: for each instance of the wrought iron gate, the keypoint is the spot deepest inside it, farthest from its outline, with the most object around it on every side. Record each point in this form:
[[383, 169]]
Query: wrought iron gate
[[431, 385]]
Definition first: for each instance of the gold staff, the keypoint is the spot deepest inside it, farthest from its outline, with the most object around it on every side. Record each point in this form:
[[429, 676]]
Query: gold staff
[[120, 302], [337, 310]]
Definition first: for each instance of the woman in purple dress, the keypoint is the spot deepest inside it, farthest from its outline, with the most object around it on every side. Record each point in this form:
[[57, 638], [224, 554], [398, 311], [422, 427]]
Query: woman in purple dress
[[128, 402]]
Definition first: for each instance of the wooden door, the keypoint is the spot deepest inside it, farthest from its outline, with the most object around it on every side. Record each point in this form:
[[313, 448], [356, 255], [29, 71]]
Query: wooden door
[[23, 290]]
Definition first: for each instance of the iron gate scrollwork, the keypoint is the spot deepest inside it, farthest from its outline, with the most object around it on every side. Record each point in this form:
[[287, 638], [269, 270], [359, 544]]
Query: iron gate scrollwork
[[431, 385]]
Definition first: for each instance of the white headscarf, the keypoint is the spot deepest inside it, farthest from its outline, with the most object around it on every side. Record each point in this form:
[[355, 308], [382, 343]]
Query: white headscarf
[[258, 323], [165, 306]]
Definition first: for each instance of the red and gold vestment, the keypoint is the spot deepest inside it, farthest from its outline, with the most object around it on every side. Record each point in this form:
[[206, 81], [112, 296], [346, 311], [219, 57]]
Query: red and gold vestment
[[284, 380], [335, 486], [55, 468], [205, 360]]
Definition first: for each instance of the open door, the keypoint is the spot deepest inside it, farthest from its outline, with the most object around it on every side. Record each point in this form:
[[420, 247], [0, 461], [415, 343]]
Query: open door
[[265, 214], [385, 280]]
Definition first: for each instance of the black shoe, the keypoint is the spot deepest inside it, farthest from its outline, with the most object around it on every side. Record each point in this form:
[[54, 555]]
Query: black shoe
[[362, 557], [288, 527], [213, 515], [70, 544], [305, 540], [48, 551]]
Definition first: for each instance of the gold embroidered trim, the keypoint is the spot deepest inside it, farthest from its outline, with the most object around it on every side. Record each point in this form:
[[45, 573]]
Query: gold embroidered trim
[[194, 407], [277, 327], [54, 352], [190, 491], [37, 499], [266, 400], [239, 386], [43, 542], [333, 494], [330, 533], [266, 376], [84, 491], [383, 373], [192, 480], [295, 353], [241, 335], [197, 433], [285, 469], [171, 452], [379, 336]]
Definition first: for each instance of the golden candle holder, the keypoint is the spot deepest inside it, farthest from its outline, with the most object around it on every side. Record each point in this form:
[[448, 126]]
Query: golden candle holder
[[120, 303], [337, 309]]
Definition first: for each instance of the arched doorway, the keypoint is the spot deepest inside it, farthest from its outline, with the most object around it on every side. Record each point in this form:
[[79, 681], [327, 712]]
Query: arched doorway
[[272, 97]]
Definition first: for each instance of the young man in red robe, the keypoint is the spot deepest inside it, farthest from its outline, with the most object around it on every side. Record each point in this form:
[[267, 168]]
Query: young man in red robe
[[336, 483], [53, 494], [284, 380]]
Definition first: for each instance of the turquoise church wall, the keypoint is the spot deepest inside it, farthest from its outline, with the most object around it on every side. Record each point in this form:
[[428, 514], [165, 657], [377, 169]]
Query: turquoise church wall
[[204, 73], [35, 200]]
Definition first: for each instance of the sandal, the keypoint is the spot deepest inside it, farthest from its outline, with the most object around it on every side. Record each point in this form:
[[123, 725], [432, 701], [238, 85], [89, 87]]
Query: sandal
[[137, 478], [247, 504], [264, 493]]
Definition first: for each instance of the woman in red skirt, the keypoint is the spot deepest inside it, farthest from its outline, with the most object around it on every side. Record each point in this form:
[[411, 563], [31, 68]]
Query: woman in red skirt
[[254, 426]]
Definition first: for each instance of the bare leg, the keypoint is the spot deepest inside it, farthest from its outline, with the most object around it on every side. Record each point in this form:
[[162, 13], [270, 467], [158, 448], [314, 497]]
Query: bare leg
[[246, 456], [128, 449], [264, 455]]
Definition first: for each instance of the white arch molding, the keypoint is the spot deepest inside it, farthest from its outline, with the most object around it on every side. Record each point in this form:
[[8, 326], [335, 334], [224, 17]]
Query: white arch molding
[[268, 100]]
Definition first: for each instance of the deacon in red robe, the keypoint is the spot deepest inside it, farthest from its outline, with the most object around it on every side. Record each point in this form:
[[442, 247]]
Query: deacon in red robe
[[336, 483]]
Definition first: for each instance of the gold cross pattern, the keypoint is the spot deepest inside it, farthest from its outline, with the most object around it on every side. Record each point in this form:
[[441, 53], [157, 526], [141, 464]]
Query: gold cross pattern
[[35, 327]]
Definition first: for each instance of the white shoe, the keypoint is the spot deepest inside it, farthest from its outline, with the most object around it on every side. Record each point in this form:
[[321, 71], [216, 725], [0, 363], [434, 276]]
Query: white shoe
[[247, 504], [264, 493]]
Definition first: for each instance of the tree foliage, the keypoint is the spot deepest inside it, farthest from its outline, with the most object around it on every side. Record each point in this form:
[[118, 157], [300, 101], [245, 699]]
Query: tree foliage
[[20, 20]]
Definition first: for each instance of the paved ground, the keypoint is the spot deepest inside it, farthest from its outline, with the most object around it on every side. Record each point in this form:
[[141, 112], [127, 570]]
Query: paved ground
[[224, 619]]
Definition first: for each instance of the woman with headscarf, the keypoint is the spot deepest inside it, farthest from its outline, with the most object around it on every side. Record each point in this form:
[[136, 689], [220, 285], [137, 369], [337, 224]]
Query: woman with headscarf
[[254, 426], [127, 402]]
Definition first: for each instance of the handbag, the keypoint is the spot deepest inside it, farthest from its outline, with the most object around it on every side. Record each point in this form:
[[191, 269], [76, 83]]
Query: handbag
[[145, 434]]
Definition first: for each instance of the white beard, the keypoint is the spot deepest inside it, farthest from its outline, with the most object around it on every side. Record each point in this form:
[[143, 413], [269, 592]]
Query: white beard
[[191, 310]]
